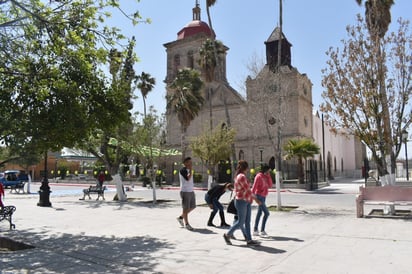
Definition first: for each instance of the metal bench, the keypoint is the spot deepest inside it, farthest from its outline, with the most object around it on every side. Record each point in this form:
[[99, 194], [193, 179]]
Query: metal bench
[[99, 190], [6, 213], [19, 187], [383, 195]]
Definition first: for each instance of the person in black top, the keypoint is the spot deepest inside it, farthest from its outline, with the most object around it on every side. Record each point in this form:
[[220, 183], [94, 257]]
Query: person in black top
[[212, 199]]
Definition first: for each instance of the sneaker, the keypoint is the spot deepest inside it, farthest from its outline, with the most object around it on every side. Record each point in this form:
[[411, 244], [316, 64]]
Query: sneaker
[[263, 233], [189, 227], [227, 239], [180, 220], [253, 242], [255, 233], [232, 237], [211, 224]]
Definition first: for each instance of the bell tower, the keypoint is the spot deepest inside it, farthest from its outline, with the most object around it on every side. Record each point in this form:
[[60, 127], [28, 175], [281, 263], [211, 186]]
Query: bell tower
[[272, 46]]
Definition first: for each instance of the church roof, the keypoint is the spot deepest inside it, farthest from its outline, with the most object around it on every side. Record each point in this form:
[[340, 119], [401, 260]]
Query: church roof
[[192, 28], [274, 36], [195, 26]]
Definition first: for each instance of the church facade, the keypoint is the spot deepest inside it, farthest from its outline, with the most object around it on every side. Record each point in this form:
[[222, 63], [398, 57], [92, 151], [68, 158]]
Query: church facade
[[277, 107]]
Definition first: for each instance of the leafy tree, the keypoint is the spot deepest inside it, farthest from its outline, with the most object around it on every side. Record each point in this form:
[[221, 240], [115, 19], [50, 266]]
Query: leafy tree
[[185, 100], [145, 83], [353, 90], [51, 55], [378, 18], [213, 146], [120, 94], [300, 149]]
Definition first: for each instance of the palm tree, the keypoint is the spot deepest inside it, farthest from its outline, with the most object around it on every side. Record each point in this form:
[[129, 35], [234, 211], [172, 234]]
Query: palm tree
[[209, 56], [210, 3], [378, 18], [185, 100], [145, 83], [209, 53], [301, 149]]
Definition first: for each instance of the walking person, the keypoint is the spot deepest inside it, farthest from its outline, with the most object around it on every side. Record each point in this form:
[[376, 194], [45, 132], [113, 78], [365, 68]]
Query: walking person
[[1, 195], [100, 178], [243, 202], [186, 193], [262, 183], [212, 199]]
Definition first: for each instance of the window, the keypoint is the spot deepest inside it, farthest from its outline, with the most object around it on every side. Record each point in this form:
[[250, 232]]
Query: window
[[190, 60]]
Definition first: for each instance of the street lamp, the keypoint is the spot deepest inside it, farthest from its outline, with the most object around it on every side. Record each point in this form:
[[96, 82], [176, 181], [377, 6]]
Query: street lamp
[[405, 139]]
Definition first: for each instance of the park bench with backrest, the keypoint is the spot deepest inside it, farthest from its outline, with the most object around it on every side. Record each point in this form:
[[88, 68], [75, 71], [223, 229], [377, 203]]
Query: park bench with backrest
[[97, 189], [389, 195], [19, 187], [6, 213]]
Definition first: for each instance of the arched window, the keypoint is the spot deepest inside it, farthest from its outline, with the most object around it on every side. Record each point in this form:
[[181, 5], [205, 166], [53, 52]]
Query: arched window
[[241, 155], [272, 163]]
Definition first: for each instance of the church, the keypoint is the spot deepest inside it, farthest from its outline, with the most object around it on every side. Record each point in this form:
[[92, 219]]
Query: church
[[278, 106]]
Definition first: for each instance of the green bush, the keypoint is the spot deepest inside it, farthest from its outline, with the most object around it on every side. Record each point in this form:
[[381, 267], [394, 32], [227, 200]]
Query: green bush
[[197, 178]]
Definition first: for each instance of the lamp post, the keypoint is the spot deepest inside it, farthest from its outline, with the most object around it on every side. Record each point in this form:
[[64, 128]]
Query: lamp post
[[405, 139], [44, 191]]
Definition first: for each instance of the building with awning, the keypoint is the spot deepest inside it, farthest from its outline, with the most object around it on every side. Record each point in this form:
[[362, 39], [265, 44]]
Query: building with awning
[[76, 155]]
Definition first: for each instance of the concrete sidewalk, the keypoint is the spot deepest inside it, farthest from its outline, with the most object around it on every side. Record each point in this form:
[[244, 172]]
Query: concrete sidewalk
[[136, 236]]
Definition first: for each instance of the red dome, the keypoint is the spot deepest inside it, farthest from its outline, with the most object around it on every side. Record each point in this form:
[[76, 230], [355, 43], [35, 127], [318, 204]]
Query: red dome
[[192, 28]]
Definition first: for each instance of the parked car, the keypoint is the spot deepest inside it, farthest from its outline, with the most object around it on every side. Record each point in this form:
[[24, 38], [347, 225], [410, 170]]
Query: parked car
[[12, 177]]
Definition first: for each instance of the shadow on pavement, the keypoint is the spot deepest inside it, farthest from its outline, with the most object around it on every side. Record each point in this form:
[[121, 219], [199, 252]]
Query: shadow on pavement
[[280, 239], [267, 249], [74, 254]]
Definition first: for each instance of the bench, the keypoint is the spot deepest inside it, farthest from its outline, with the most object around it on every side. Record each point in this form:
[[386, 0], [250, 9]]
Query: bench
[[6, 213], [19, 187], [389, 195], [97, 189]]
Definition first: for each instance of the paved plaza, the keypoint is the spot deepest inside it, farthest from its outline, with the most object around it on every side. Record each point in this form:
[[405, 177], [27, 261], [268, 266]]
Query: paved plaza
[[322, 235]]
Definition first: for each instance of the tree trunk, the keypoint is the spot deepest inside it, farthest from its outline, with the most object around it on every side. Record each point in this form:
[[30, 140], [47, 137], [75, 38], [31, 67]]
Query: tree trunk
[[300, 171]]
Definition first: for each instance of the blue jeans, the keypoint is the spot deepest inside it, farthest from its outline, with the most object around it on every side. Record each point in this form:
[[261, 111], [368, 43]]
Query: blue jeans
[[244, 211], [217, 206], [262, 208]]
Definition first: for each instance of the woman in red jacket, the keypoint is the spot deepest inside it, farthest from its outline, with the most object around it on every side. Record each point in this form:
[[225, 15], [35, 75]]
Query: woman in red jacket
[[262, 183], [243, 201]]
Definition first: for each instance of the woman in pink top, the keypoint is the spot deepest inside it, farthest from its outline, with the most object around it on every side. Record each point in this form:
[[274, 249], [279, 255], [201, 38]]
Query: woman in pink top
[[243, 201], [1, 194], [262, 183]]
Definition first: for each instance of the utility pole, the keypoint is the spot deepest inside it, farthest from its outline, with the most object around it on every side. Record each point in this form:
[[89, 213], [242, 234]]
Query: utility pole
[[278, 162]]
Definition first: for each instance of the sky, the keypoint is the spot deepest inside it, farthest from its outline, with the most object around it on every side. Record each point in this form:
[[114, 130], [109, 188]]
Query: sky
[[243, 26]]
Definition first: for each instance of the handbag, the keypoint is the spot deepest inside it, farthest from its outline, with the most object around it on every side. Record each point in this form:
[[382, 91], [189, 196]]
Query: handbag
[[231, 208]]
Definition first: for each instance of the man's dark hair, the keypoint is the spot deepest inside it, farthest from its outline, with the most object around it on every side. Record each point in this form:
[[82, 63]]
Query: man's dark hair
[[187, 159]]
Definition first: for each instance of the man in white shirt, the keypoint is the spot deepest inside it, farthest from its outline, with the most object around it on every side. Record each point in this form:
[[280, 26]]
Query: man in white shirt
[[186, 193]]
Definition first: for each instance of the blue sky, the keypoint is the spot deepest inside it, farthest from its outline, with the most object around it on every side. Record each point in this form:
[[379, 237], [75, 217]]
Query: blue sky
[[310, 26]]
